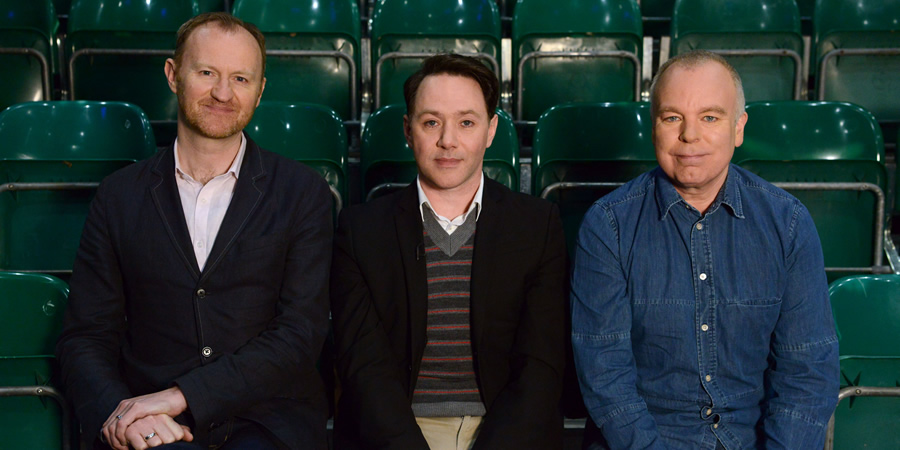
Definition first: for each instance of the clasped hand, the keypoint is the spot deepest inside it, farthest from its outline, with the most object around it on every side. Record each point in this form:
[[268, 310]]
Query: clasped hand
[[147, 421]]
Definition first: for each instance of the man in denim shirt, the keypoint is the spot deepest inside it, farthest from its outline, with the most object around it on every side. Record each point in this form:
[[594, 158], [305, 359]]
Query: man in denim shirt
[[700, 315]]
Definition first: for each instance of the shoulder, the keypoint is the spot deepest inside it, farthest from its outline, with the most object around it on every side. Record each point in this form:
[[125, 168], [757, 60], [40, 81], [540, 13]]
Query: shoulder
[[513, 203], [382, 209], [761, 195], [285, 170]]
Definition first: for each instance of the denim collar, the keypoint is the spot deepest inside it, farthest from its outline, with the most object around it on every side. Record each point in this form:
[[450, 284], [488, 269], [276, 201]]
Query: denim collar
[[730, 194]]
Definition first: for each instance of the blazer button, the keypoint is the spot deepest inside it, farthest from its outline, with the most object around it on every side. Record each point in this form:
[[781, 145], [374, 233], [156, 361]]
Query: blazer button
[[201, 292], [206, 352]]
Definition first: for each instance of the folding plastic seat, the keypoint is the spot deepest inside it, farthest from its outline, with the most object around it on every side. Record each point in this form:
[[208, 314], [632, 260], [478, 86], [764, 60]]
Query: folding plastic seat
[[312, 51], [761, 39], [867, 314], [309, 133], [52, 156], [830, 156], [404, 32], [387, 162], [116, 51], [857, 53], [33, 413], [27, 51], [582, 151], [575, 51]]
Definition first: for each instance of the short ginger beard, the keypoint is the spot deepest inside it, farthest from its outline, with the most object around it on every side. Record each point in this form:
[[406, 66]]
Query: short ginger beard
[[194, 116]]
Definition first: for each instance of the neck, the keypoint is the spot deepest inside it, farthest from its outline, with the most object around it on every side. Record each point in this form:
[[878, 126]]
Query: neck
[[700, 199], [451, 203], [204, 158]]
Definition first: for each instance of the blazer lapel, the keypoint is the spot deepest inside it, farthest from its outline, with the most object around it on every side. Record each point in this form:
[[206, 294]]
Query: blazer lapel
[[168, 202], [488, 232], [247, 195], [408, 221]]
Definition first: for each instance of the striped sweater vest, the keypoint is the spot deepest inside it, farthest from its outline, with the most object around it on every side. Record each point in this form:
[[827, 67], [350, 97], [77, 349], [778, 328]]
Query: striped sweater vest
[[446, 384]]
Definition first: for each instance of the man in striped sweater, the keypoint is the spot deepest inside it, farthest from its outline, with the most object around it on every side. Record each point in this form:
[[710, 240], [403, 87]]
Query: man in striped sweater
[[448, 297]]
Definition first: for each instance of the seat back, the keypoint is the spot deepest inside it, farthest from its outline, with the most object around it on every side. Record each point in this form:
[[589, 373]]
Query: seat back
[[309, 43], [27, 51], [309, 133], [657, 17], [867, 314], [116, 51], [387, 162], [857, 54], [404, 32], [31, 312], [760, 39], [59, 143], [597, 37], [823, 142], [589, 143]]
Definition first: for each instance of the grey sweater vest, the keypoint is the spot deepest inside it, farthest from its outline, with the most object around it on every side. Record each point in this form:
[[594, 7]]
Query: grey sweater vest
[[446, 384]]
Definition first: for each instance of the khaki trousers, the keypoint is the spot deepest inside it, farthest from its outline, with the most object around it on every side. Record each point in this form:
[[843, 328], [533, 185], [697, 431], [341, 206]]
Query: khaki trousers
[[450, 433]]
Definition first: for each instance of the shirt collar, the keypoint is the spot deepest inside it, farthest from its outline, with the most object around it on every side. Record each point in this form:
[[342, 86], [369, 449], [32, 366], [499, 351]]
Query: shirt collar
[[235, 168], [476, 202], [729, 195]]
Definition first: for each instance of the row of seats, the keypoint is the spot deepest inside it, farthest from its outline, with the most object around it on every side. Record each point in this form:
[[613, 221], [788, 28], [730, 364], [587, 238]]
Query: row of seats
[[866, 309], [830, 155], [586, 50]]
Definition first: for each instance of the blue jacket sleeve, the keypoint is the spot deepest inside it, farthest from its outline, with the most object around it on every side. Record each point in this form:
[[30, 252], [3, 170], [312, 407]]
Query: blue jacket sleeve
[[804, 373], [601, 337]]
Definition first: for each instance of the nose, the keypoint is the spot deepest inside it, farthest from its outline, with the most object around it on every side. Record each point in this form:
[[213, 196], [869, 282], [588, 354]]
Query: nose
[[690, 131], [448, 137], [222, 91]]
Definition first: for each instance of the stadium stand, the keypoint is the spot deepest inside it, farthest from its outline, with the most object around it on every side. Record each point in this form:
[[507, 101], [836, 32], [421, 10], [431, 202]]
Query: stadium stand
[[33, 414], [27, 51], [52, 156], [867, 314], [309, 43], [556, 44], [761, 39], [829, 155], [404, 32]]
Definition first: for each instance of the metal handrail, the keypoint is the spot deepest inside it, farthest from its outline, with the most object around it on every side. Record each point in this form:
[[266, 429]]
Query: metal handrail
[[849, 52], [330, 54], [45, 66], [877, 265], [520, 69], [857, 391], [415, 55], [45, 391], [798, 61], [384, 187]]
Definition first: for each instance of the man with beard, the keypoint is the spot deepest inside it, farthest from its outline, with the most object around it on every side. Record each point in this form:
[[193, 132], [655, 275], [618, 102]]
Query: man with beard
[[198, 299]]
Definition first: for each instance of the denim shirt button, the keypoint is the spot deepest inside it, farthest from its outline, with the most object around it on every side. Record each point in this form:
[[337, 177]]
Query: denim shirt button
[[699, 226], [708, 378], [702, 276], [704, 327]]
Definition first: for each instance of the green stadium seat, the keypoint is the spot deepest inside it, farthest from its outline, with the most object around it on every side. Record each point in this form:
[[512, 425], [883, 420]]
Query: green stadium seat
[[404, 32], [27, 51], [857, 54], [867, 314], [33, 413], [211, 5], [583, 151], [117, 51], [309, 133], [53, 155], [761, 39], [575, 51], [309, 44], [830, 156], [387, 163]]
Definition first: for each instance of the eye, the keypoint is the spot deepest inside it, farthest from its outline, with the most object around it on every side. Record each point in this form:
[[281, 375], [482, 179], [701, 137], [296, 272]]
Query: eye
[[710, 119], [467, 123], [430, 123], [241, 79], [670, 119], [206, 72]]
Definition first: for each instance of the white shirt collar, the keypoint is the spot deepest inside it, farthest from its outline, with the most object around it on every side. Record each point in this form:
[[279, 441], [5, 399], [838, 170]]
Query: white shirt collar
[[235, 168], [475, 205]]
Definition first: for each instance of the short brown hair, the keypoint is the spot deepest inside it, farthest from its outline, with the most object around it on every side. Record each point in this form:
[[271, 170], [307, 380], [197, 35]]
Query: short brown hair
[[226, 22], [457, 65], [690, 60]]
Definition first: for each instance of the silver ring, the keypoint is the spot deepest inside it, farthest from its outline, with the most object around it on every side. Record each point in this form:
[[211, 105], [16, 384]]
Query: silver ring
[[119, 417], [149, 436]]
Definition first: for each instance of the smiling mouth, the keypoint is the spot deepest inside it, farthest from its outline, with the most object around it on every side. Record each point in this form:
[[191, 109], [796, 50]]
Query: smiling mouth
[[447, 162]]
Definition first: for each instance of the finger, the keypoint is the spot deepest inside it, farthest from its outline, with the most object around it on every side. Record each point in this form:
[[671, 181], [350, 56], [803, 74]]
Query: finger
[[171, 431], [126, 418], [155, 441], [136, 439], [164, 434], [111, 440], [188, 436]]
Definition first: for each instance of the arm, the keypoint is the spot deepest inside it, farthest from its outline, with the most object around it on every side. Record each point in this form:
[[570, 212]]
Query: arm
[[601, 337], [288, 350], [379, 408], [804, 372], [89, 345], [526, 412]]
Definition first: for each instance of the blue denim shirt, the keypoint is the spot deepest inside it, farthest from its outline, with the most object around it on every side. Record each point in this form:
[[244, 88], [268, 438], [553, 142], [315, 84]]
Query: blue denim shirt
[[693, 328]]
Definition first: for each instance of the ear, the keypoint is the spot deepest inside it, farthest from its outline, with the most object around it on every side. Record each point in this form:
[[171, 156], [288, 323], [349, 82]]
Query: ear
[[170, 70], [492, 130], [262, 87], [407, 131], [739, 129]]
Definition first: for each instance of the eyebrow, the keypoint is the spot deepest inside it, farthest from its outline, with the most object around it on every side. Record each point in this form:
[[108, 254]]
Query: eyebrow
[[715, 109], [457, 113]]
